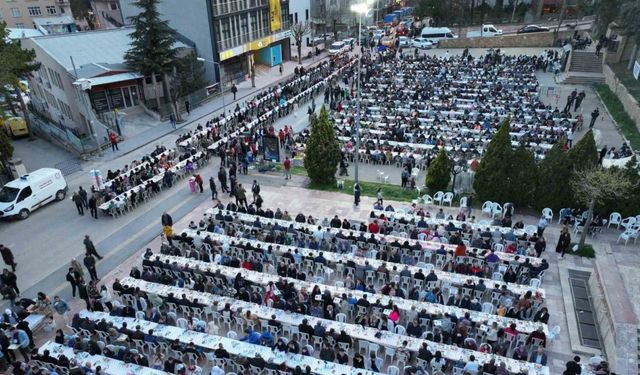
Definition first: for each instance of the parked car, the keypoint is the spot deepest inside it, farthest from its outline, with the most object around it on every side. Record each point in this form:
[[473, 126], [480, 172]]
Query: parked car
[[388, 41], [422, 43], [26, 194], [404, 41], [349, 42], [532, 29], [485, 31], [337, 47]]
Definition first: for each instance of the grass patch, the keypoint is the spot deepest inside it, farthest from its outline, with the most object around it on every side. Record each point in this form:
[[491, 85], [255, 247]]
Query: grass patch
[[369, 189], [626, 78], [624, 123], [297, 170], [585, 251]]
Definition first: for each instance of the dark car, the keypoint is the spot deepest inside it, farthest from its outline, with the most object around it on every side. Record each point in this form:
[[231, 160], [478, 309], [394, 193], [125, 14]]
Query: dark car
[[532, 29]]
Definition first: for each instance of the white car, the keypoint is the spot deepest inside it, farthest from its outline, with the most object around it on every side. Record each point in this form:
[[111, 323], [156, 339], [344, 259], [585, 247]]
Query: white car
[[404, 41], [421, 43], [337, 47], [349, 42], [26, 194]]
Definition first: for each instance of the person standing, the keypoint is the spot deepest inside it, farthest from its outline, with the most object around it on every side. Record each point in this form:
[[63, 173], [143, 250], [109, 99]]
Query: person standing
[[579, 100], [255, 189], [93, 206], [172, 118], [113, 138], [61, 308], [603, 153], [542, 225], [7, 257], [594, 117], [356, 194], [78, 202], [187, 106], [564, 241], [21, 339], [287, 168], [212, 186], [241, 196], [200, 182], [90, 247], [469, 203], [90, 263], [72, 278], [10, 279], [234, 90], [222, 177], [83, 195], [166, 219], [77, 269], [567, 107]]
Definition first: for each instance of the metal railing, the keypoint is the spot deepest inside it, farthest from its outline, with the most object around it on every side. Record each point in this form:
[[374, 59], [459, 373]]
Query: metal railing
[[221, 7], [240, 39]]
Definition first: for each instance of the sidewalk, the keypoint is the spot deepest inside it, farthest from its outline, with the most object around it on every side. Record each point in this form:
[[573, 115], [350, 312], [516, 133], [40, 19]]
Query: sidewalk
[[245, 91]]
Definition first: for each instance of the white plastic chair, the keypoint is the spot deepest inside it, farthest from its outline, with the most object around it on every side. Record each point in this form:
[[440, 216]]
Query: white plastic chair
[[427, 199], [497, 209], [342, 318], [564, 212], [530, 229], [438, 197], [615, 218], [487, 208], [535, 283], [628, 222], [627, 235], [448, 198], [463, 202], [554, 332], [232, 335], [547, 213], [393, 370], [182, 323], [400, 330], [487, 308]]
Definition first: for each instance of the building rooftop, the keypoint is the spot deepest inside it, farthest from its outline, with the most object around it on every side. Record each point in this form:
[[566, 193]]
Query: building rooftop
[[93, 52], [23, 33]]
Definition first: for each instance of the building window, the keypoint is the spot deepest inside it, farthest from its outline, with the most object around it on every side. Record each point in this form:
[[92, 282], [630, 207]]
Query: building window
[[226, 31], [51, 10], [296, 17], [62, 10], [19, 25], [113, 6], [15, 12], [35, 11], [306, 14], [244, 27]]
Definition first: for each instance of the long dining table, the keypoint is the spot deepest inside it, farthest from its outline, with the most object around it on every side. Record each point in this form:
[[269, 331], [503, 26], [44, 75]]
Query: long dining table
[[403, 304], [109, 366], [382, 338], [426, 245], [235, 347]]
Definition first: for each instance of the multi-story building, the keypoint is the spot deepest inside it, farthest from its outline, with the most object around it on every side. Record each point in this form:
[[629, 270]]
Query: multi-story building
[[232, 35], [48, 16], [107, 14]]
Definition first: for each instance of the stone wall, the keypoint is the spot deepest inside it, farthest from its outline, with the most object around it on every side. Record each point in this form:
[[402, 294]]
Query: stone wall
[[628, 101], [615, 317], [503, 41]]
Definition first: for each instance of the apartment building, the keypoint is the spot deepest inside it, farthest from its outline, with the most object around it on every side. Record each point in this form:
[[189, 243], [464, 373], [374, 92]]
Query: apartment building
[[47, 16], [232, 35]]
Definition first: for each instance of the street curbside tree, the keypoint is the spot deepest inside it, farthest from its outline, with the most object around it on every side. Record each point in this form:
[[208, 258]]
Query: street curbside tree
[[322, 153]]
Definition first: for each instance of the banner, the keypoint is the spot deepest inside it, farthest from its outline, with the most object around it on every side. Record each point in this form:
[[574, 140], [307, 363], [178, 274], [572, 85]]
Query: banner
[[275, 13]]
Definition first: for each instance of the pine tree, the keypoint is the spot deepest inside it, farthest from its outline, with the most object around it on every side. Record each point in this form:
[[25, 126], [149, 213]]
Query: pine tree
[[521, 178], [439, 173], [151, 51], [552, 187], [322, 153], [584, 154], [493, 170]]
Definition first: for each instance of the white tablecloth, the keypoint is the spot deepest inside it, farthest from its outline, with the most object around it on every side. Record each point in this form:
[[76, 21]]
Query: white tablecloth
[[109, 366], [234, 347], [357, 332]]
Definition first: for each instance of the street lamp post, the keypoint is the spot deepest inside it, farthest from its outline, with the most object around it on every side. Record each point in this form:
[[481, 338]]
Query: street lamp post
[[361, 9], [217, 65]]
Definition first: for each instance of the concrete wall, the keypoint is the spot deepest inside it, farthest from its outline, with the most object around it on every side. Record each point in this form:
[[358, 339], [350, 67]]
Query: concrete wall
[[511, 40], [615, 317], [628, 101]]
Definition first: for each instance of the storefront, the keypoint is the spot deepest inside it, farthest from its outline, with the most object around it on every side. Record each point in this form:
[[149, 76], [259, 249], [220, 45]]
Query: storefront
[[120, 95]]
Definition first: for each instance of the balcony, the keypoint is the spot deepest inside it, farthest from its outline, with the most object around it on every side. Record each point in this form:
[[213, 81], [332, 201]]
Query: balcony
[[241, 39]]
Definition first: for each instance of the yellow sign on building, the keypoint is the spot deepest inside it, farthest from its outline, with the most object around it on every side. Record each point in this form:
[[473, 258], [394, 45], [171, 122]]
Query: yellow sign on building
[[275, 13]]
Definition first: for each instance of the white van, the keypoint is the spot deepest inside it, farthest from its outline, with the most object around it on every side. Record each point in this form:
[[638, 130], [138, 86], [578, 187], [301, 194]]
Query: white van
[[26, 194], [436, 34]]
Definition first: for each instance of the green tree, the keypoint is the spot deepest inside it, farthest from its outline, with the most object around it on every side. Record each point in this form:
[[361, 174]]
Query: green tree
[[436, 9], [6, 148], [606, 11], [493, 170], [188, 77], [594, 184], [439, 173], [584, 154], [151, 51], [322, 153], [630, 22], [552, 189], [520, 185], [17, 63]]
